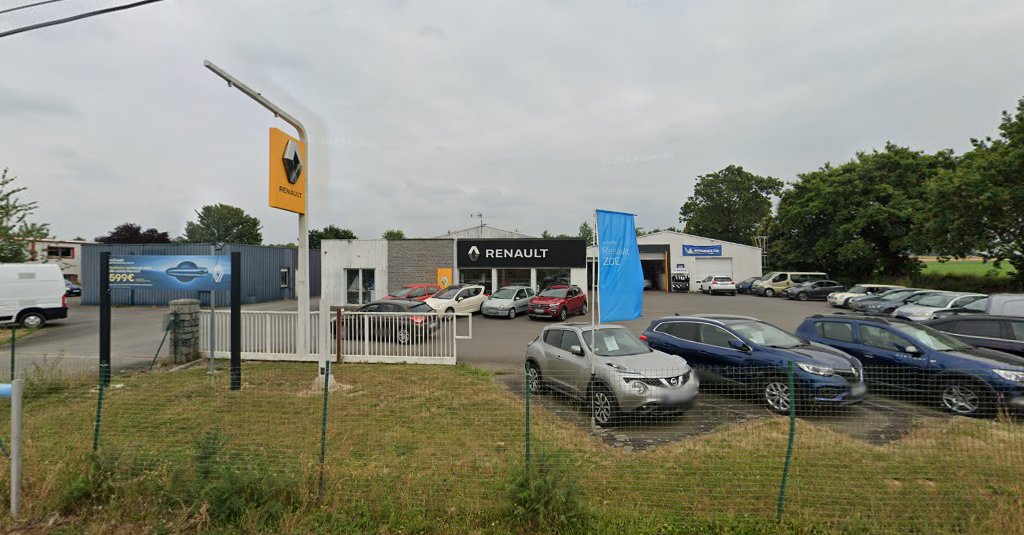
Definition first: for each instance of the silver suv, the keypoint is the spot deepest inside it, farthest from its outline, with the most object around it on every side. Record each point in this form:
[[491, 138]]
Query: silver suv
[[609, 368]]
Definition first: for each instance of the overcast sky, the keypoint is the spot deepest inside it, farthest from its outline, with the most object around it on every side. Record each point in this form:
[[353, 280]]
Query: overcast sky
[[533, 113]]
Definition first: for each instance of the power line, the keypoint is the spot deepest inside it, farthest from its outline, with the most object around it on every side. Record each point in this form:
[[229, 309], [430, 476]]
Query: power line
[[75, 17], [26, 6]]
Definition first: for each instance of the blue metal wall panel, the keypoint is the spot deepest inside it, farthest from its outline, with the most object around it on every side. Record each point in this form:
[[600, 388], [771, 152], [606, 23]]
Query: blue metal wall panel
[[261, 273]]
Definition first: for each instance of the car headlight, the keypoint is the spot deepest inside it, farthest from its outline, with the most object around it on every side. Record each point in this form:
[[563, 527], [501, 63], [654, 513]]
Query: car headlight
[[1011, 375], [638, 387], [816, 370]]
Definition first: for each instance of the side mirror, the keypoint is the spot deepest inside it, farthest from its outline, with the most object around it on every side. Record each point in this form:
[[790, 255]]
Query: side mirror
[[459, 298], [576, 350], [739, 346], [913, 350]]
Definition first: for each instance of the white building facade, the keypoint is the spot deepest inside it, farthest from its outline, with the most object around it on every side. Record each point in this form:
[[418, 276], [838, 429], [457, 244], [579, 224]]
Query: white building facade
[[696, 257]]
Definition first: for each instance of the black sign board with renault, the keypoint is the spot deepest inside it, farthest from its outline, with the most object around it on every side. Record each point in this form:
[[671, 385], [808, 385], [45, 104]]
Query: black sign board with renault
[[521, 253]]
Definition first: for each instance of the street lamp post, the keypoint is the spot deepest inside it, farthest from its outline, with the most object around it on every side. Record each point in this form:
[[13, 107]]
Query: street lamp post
[[302, 274]]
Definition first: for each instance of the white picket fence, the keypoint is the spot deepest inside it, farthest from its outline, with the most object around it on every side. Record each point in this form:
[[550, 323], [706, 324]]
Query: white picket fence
[[266, 335], [270, 335], [392, 337]]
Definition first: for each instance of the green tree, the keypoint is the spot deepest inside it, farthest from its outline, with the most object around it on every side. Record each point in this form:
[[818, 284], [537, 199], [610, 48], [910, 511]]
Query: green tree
[[859, 219], [730, 204], [330, 232], [976, 208], [223, 223], [132, 233], [393, 234], [15, 227], [587, 233]]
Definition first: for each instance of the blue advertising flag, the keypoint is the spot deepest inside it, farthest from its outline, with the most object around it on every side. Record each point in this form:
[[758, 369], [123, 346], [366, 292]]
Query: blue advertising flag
[[621, 278]]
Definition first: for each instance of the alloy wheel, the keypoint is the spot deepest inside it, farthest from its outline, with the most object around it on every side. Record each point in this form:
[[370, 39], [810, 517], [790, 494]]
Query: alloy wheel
[[533, 379], [512, 313], [601, 405], [776, 394], [769, 293], [802, 296], [583, 311], [32, 321], [403, 336], [562, 315], [961, 399]]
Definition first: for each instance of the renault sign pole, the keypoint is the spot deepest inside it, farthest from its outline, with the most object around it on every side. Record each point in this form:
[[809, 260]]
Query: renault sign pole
[[292, 194]]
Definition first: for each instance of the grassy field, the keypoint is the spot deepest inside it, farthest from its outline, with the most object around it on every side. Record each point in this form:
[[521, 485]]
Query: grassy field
[[5, 334], [430, 449], [966, 267]]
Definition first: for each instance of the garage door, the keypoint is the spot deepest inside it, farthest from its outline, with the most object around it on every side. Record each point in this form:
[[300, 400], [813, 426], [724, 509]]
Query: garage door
[[702, 267]]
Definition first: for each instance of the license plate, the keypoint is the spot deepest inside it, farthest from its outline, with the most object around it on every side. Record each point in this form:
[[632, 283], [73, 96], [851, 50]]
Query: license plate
[[858, 389]]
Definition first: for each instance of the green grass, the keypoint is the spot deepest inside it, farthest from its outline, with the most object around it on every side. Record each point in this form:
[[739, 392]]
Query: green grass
[[967, 267], [431, 449]]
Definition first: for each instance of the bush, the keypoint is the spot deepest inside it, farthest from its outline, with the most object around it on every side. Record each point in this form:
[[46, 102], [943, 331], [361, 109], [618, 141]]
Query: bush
[[957, 282], [543, 498]]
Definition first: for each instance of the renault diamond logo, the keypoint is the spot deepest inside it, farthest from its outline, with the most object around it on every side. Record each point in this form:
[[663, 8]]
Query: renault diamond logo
[[474, 253], [292, 162]]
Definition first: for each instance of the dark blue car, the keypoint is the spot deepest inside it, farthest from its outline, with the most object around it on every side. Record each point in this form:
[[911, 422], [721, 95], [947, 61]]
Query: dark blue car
[[925, 364], [757, 355]]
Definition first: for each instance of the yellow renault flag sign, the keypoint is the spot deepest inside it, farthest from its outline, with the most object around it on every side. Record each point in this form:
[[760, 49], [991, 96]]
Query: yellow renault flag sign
[[287, 172]]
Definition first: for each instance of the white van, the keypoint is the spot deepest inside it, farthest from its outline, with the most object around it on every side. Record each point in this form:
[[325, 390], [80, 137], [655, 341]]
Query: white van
[[31, 294]]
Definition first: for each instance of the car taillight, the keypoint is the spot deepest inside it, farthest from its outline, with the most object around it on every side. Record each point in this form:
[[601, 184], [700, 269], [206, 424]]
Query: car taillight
[[419, 320], [643, 337], [64, 301], [714, 282]]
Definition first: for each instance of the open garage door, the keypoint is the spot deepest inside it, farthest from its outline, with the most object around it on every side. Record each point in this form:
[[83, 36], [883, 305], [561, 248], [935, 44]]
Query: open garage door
[[702, 267]]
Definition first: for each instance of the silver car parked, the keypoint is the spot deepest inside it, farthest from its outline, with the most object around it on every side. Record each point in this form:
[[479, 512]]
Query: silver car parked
[[507, 302], [611, 370]]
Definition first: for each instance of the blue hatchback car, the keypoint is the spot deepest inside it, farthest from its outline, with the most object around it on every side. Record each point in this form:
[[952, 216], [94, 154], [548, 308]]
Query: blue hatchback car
[[757, 355], [924, 363]]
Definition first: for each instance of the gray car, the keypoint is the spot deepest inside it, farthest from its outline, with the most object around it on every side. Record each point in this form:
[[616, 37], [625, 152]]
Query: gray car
[[507, 302], [611, 370]]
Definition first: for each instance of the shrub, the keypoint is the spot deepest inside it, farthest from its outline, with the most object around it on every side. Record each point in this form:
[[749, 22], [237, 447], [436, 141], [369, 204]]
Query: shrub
[[544, 498]]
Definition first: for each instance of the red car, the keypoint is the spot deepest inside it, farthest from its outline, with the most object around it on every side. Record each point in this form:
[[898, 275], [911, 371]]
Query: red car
[[418, 292], [558, 302]]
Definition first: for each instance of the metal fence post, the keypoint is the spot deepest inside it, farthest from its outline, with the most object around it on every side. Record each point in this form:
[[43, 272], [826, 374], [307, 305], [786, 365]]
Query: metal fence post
[[527, 389], [789, 448], [99, 412], [14, 342], [16, 405], [323, 431]]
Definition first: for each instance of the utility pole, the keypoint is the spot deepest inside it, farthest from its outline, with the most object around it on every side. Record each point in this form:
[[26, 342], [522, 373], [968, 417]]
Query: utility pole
[[302, 273]]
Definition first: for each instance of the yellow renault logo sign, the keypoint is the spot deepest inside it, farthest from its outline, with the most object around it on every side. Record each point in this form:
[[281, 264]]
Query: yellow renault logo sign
[[287, 172]]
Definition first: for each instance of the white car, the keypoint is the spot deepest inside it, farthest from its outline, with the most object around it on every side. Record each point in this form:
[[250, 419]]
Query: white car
[[925, 308], [458, 298], [718, 284], [839, 299]]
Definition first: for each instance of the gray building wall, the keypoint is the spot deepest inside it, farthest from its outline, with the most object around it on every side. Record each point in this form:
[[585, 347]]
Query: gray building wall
[[261, 273], [417, 261]]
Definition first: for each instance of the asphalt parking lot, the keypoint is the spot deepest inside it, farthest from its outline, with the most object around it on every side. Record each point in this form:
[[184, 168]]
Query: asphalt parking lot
[[499, 344]]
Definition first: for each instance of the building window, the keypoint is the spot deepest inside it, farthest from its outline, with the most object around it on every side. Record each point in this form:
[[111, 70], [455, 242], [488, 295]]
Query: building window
[[285, 277], [513, 277], [360, 284], [476, 276], [552, 277], [55, 251]]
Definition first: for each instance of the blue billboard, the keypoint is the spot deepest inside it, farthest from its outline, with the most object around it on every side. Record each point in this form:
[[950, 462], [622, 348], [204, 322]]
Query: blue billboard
[[171, 272], [702, 250]]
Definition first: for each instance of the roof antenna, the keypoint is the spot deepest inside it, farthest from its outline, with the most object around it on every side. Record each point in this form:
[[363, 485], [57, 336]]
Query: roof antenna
[[479, 215]]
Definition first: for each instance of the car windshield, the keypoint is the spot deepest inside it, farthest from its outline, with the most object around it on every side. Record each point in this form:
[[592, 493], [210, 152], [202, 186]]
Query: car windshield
[[980, 305], [614, 342], [401, 293], [897, 296], [858, 289], [450, 293], [930, 338], [504, 293], [554, 292], [935, 300], [766, 334]]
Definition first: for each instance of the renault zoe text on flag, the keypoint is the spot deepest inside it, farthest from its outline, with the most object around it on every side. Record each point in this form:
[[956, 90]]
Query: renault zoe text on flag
[[621, 278]]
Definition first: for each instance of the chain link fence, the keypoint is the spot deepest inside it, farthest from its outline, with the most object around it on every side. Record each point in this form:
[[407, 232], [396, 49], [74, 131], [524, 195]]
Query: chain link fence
[[550, 449]]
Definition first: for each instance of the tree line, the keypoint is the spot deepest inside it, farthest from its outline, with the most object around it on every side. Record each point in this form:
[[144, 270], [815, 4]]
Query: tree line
[[875, 214]]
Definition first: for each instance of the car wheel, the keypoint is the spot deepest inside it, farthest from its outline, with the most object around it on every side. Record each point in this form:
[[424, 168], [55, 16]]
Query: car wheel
[[802, 296], [965, 397], [732, 293], [403, 336], [450, 310], [563, 314], [603, 406], [769, 293], [32, 320], [533, 379], [776, 395], [512, 313], [583, 311]]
